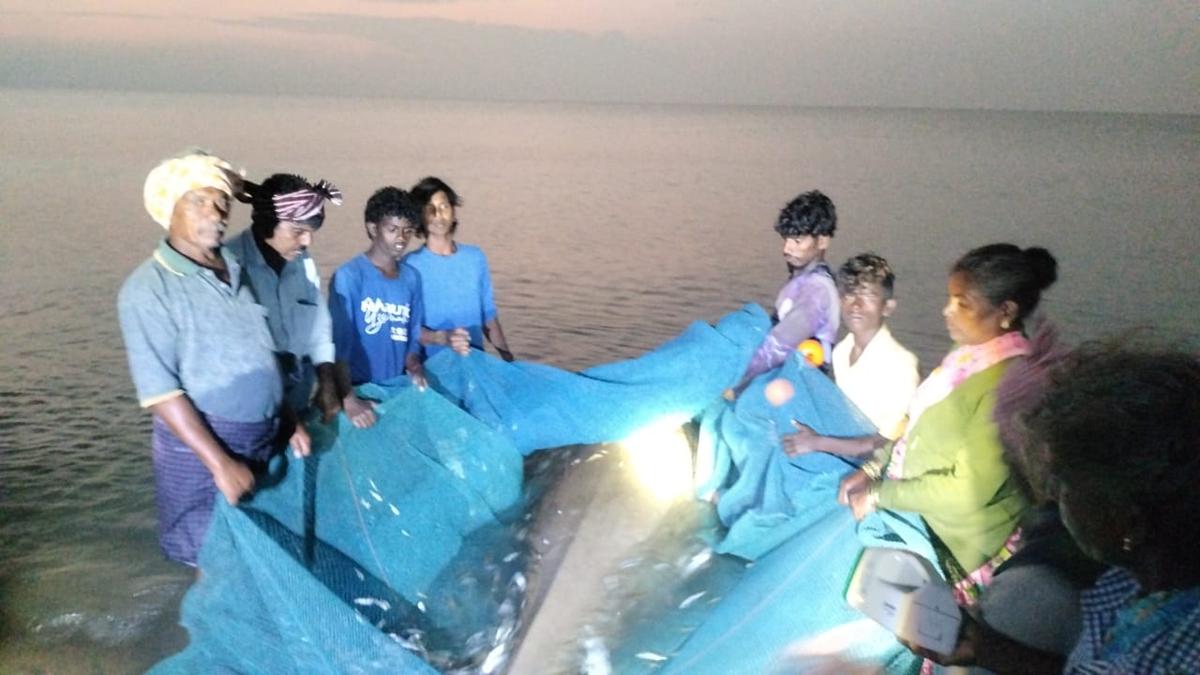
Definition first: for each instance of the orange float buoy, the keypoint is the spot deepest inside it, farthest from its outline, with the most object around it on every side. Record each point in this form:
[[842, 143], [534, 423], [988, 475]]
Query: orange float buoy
[[813, 352]]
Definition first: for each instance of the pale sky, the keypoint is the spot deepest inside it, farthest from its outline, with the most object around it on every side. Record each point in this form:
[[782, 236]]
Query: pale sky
[[1122, 55]]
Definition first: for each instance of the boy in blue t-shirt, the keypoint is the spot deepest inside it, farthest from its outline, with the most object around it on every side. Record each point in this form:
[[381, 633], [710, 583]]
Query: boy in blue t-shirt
[[460, 310], [375, 303]]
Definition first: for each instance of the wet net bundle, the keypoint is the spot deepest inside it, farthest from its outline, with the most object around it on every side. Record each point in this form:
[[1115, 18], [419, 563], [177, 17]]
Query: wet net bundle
[[401, 548], [389, 550]]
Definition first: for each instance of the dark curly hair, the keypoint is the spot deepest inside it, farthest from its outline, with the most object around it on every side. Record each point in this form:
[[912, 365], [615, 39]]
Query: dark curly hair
[[1119, 424], [810, 213], [1005, 272], [866, 268], [424, 191], [391, 201]]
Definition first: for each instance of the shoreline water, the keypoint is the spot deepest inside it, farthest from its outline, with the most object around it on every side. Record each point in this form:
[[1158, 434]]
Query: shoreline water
[[608, 230]]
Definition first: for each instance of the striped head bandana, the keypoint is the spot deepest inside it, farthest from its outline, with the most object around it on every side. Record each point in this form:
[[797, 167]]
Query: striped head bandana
[[175, 177], [303, 204]]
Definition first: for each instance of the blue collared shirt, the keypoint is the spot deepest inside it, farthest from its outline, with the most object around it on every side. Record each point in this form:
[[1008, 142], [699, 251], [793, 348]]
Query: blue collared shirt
[[188, 332], [297, 311]]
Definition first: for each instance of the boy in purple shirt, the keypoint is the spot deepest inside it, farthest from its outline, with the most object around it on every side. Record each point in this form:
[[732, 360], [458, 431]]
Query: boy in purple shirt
[[807, 305]]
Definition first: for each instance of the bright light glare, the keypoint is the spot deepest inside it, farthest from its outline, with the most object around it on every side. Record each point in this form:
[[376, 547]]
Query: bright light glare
[[834, 641], [661, 459]]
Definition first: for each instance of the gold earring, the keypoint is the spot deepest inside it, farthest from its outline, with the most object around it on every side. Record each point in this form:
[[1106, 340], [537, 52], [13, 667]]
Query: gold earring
[[1004, 323]]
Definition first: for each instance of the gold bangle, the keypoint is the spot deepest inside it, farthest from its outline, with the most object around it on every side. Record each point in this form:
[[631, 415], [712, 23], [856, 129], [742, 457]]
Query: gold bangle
[[873, 469]]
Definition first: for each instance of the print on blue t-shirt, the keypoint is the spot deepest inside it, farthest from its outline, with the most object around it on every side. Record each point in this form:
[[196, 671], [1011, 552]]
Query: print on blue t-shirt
[[377, 313], [376, 320], [456, 291]]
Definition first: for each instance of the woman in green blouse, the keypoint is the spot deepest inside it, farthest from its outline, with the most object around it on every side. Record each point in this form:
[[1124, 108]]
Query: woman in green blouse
[[948, 466]]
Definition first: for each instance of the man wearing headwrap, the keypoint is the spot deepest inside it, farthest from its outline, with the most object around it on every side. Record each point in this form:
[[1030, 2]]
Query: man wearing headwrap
[[287, 211], [200, 354]]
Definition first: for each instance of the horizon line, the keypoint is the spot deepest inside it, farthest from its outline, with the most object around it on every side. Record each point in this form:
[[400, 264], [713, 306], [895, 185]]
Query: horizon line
[[591, 102]]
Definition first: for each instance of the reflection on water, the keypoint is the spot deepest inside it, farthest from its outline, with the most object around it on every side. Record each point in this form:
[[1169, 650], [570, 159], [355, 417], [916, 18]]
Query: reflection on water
[[608, 229]]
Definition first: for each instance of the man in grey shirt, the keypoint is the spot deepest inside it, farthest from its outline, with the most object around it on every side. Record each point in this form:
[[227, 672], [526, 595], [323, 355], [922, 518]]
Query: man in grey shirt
[[273, 251], [200, 354]]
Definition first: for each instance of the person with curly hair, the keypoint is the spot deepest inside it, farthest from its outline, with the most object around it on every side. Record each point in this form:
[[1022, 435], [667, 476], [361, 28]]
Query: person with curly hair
[[376, 305], [807, 305]]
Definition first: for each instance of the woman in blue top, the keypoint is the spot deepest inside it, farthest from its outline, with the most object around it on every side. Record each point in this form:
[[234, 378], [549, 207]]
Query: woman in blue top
[[456, 282]]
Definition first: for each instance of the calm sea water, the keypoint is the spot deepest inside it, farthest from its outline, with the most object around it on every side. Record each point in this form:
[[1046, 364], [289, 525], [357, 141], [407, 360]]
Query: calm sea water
[[608, 228]]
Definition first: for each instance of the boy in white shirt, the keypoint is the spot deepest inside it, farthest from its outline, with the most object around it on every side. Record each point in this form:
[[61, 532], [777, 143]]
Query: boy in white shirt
[[874, 371], [870, 367]]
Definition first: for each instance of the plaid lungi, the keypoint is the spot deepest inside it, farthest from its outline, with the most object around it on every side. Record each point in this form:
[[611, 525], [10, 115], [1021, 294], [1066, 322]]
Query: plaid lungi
[[183, 487]]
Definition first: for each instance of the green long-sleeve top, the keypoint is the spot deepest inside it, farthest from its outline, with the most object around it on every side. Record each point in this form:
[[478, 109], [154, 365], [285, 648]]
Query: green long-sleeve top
[[955, 475]]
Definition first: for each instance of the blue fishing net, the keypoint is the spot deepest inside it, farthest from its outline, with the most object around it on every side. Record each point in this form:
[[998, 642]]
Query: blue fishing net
[[765, 497], [541, 406], [401, 548], [387, 550], [766, 572], [713, 613]]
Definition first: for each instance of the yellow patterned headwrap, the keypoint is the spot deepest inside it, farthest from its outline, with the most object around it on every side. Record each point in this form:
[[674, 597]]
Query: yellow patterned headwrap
[[175, 177]]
